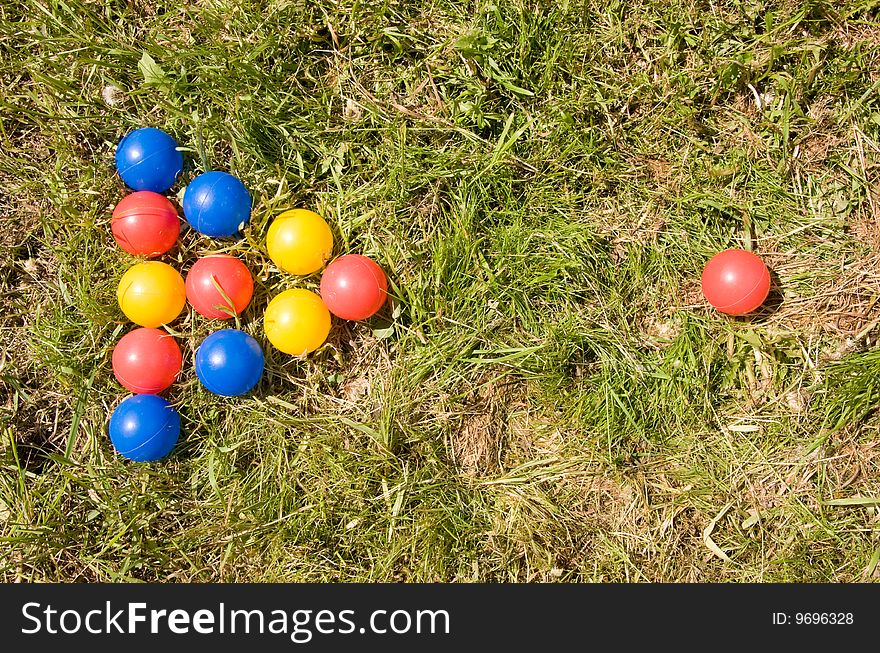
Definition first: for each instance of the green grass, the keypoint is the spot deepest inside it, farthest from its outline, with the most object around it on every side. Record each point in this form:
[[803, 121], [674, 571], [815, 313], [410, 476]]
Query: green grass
[[547, 398]]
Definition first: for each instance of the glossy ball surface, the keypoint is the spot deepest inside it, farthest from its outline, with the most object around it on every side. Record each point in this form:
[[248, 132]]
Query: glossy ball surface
[[227, 272], [144, 428], [145, 224], [151, 294], [216, 204], [229, 362], [354, 287], [297, 322], [735, 282], [299, 241], [146, 361], [147, 159]]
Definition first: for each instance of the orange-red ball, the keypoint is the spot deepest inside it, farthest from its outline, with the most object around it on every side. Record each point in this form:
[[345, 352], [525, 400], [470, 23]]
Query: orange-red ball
[[736, 282], [231, 275], [145, 224], [146, 361], [354, 287]]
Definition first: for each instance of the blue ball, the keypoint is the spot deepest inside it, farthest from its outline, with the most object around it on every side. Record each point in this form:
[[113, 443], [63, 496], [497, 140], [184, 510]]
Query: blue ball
[[229, 362], [216, 204], [147, 159], [144, 428]]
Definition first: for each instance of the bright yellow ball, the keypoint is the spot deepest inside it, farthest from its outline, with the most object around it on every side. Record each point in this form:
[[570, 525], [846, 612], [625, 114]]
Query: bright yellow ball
[[297, 322], [299, 241], [151, 294]]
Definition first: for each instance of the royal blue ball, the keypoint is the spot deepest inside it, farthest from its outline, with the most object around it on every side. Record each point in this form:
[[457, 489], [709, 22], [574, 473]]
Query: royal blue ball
[[144, 428], [216, 204], [229, 362], [147, 159]]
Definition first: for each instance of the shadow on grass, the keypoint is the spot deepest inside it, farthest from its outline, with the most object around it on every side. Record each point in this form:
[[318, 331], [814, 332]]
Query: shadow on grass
[[772, 304]]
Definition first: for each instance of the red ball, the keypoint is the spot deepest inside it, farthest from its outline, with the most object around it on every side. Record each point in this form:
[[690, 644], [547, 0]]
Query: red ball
[[146, 361], [736, 281], [230, 274], [145, 223], [354, 287]]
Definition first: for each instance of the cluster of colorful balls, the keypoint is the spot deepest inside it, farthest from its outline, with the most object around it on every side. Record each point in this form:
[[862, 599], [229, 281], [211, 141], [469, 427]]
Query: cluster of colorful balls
[[229, 362]]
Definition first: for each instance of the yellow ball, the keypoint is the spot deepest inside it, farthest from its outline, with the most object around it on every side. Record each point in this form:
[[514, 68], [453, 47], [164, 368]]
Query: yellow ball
[[151, 294], [297, 322], [299, 241]]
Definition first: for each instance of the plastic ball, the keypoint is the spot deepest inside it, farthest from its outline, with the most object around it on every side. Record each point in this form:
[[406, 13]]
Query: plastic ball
[[736, 282], [144, 428], [229, 362], [354, 287], [146, 361], [233, 278], [147, 159], [216, 204], [151, 293], [299, 241], [297, 322], [145, 224]]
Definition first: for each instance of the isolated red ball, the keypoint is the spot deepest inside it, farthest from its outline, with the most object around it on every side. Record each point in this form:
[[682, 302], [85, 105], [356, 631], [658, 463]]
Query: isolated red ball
[[146, 361], [736, 282], [145, 223], [354, 287], [231, 275]]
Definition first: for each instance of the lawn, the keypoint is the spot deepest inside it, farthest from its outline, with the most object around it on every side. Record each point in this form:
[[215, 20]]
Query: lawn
[[547, 396]]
